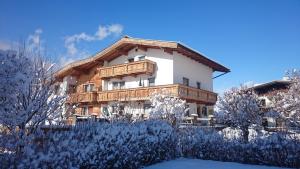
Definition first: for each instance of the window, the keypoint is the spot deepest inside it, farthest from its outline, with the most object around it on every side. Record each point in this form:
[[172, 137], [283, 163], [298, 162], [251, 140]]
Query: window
[[147, 106], [204, 111], [56, 89], [85, 110], [88, 87], [199, 111], [198, 85], [122, 85], [119, 85], [71, 89], [115, 85], [185, 81], [187, 112], [142, 57], [105, 111], [263, 102], [151, 81], [130, 60]]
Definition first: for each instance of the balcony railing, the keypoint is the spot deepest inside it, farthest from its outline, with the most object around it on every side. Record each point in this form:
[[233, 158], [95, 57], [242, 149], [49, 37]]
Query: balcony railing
[[82, 97], [143, 93], [128, 69]]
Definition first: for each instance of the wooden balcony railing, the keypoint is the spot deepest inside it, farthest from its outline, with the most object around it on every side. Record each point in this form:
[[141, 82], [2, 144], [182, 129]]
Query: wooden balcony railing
[[82, 97], [177, 90], [128, 69]]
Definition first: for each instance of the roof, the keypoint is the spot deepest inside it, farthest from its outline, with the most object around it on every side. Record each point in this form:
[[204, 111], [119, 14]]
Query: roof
[[271, 84], [127, 43]]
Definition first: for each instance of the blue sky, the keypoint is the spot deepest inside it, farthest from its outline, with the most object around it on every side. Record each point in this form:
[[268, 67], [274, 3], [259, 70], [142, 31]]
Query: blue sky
[[258, 39]]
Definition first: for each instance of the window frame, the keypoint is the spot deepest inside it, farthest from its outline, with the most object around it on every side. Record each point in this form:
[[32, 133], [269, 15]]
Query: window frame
[[142, 57], [118, 85], [185, 81], [85, 110], [151, 83], [87, 87], [198, 85]]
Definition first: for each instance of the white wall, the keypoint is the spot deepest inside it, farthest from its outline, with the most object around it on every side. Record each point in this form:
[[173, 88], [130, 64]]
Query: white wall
[[193, 70], [170, 69], [163, 74]]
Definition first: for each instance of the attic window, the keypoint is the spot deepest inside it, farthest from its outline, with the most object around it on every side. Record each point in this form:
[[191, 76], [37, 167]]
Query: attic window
[[140, 57]]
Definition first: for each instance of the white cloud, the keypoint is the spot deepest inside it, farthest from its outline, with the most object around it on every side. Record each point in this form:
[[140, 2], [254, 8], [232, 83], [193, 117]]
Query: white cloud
[[104, 31], [34, 41], [71, 42], [66, 59]]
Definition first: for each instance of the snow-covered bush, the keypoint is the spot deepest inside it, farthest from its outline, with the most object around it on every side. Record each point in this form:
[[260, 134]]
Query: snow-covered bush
[[134, 145], [107, 145], [239, 108], [167, 107], [274, 149]]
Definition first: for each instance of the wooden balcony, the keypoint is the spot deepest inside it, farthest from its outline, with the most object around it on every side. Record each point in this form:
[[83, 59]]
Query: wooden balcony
[[128, 69], [82, 97], [143, 93]]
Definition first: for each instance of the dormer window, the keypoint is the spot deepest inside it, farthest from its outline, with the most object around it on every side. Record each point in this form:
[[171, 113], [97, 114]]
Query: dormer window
[[141, 57], [130, 60]]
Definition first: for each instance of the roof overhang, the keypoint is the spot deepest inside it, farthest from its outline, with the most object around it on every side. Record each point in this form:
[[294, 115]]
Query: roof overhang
[[125, 44]]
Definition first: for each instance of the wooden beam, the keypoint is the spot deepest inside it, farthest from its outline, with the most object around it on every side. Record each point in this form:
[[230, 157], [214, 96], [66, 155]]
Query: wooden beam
[[168, 50], [78, 70], [143, 48]]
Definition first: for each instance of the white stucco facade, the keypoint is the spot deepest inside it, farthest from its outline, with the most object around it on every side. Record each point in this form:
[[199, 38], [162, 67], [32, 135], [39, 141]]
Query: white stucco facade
[[193, 70], [170, 69]]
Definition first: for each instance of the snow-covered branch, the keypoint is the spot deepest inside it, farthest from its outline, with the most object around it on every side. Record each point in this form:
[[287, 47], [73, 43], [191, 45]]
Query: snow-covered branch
[[239, 108]]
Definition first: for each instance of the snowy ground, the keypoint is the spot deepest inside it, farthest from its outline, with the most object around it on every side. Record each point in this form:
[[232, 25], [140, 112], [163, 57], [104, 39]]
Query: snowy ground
[[183, 163]]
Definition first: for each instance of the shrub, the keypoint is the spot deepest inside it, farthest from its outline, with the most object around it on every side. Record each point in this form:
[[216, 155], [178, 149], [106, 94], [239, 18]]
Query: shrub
[[94, 145]]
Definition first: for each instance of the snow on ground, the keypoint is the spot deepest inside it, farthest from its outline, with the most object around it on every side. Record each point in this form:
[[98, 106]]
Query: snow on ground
[[184, 163]]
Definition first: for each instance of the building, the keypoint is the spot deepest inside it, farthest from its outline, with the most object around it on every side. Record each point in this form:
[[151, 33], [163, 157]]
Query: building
[[265, 92], [120, 78]]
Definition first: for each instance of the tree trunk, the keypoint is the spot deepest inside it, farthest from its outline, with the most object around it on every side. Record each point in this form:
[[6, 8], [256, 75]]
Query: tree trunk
[[245, 134]]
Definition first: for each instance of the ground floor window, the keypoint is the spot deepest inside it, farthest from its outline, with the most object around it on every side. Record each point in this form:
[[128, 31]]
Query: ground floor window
[[85, 110], [204, 111], [105, 111]]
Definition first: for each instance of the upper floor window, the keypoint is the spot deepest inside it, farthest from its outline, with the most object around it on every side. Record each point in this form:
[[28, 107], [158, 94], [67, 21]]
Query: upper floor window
[[71, 89], [198, 85], [119, 85], [185, 81], [142, 57], [56, 89], [151, 81], [130, 60], [88, 87]]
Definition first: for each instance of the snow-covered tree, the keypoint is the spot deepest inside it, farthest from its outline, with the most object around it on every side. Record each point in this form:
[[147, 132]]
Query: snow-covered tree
[[287, 103], [239, 108], [167, 107], [27, 93], [117, 113]]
